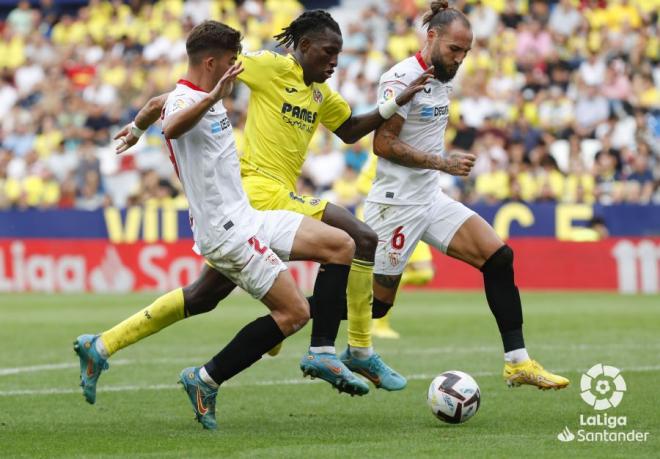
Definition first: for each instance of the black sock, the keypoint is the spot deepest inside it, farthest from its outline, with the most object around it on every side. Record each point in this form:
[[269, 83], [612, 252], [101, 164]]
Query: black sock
[[310, 300], [249, 344], [503, 297], [329, 293], [380, 308]]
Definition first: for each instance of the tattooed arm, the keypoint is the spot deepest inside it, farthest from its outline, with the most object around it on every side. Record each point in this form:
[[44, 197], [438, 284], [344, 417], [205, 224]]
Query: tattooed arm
[[388, 145]]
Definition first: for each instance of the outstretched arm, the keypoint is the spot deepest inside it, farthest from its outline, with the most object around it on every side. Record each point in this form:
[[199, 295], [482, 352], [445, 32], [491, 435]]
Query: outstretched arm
[[356, 127], [145, 118], [180, 122], [388, 145]]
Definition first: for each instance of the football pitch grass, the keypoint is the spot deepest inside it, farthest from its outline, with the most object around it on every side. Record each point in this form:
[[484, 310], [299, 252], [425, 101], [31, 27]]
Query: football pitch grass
[[271, 411]]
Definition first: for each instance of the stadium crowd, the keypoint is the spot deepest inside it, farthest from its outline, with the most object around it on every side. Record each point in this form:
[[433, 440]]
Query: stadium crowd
[[560, 101]]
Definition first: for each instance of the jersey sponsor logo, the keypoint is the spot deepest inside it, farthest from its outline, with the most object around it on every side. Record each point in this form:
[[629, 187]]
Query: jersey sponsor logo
[[219, 126], [314, 201], [298, 112], [290, 90], [299, 117], [427, 90], [399, 75], [429, 112], [388, 93], [317, 96]]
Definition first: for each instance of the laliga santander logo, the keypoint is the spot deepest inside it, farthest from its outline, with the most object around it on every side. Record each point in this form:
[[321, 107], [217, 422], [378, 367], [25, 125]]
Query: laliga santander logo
[[602, 387]]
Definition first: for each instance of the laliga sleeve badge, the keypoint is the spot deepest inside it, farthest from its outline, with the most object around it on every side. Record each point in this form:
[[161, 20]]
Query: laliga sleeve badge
[[388, 93], [180, 104]]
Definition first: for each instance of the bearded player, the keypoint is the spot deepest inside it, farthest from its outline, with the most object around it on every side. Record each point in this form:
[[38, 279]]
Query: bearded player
[[406, 205]]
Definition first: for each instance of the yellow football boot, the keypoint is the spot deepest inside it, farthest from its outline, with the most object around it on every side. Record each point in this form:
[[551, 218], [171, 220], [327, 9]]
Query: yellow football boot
[[276, 350], [381, 328], [531, 372]]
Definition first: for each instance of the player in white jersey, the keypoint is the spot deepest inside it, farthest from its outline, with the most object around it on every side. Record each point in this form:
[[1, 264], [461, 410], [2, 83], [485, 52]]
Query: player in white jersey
[[406, 204], [245, 245]]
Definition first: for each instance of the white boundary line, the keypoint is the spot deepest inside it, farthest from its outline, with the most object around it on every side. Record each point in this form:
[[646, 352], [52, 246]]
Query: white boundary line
[[289, 355], [280, 382]]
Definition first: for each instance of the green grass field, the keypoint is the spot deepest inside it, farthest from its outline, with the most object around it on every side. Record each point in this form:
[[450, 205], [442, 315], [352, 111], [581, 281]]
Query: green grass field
[[271, 411]]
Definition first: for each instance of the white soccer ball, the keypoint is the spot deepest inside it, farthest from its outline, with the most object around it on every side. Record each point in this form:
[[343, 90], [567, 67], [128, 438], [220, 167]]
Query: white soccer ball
[[454, 397]]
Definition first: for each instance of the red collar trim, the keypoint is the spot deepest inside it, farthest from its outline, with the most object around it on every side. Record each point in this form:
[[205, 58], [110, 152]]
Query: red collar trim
[[190, 85], [418, 56]]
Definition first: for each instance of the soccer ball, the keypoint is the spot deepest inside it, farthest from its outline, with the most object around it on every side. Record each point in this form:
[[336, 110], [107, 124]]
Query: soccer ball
[[454, 397]]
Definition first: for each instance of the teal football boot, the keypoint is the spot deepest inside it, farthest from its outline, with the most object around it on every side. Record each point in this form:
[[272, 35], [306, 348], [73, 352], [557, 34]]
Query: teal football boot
[[91, 365], [329, 368], [375, 370], [201, 396]]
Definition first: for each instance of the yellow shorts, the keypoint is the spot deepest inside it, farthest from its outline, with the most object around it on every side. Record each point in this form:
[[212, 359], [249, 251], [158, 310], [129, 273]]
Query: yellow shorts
[[269, 194], [421, 253]]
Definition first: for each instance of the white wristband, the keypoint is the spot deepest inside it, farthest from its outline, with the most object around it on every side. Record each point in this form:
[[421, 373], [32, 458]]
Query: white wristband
[[136, 131], [388, 109]]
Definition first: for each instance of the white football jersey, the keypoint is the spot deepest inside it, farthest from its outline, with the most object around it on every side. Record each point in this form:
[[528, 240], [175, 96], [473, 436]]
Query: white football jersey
[[426, 118], [206, 162]]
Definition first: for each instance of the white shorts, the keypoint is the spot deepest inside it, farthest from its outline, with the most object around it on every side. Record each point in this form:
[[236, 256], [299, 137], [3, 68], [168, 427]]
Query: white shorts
[[255, 263], [401, 227]]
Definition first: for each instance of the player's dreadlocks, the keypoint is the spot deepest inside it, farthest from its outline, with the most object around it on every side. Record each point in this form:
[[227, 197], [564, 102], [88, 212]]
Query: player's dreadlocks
[[442, 15], [309, 21]]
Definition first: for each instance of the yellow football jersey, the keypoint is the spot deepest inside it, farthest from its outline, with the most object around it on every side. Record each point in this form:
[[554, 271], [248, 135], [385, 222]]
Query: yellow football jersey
[[283, 114]]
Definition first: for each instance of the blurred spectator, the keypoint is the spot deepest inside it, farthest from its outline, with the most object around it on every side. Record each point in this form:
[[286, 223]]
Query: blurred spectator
[[21, 18], [90, 197], [21, 141], [639, 184], [356, 156], [325, 167], [534, 44], [565, 18], [484, 20], [62, 162], [556, 112], [8, 96], [590, 110]]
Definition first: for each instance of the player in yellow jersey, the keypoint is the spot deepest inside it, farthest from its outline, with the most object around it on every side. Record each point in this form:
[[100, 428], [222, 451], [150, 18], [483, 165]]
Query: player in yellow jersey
[[289, 99], [418, 271]]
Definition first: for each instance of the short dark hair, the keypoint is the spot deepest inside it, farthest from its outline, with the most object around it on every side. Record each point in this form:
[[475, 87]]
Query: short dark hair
[[309, 22], [442, 15], [210, 36]]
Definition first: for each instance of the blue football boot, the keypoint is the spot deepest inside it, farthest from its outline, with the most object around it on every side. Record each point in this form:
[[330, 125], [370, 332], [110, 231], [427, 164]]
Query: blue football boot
[[201, 395], [375, 370], [91, 365], [329, 368]]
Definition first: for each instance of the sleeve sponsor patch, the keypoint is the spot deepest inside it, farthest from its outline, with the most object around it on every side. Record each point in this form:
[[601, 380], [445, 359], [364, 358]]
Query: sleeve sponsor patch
[[179, 104], [388, 93]]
